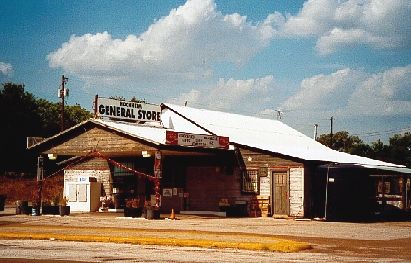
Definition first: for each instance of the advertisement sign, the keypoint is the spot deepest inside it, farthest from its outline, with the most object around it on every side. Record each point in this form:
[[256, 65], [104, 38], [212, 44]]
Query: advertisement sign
[[196, 140], [128, 110]]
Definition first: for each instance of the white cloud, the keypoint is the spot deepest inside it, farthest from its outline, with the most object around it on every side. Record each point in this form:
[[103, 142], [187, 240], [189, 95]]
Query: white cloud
[[183, 45], [245, 96], [192, 39], [6, 68], [325, 92], [386, 93], [355, 92], [336, 24]]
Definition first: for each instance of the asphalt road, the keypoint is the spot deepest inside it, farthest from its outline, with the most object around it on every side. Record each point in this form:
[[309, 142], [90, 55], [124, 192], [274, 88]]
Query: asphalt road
[[332, 241]]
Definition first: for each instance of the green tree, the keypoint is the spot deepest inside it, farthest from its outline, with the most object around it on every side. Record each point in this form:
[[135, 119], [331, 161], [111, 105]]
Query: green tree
[[400, 149], [344, 142], [75, 114], [19, 116], [25, 116]]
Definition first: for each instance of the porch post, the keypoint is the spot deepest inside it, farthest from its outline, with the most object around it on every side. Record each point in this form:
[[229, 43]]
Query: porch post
[[157, 175]]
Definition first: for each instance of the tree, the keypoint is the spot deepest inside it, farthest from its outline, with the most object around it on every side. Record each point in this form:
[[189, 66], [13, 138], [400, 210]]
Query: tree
[[343, 142], [19, 116], [398, 151], [25, 116], [400, 148]]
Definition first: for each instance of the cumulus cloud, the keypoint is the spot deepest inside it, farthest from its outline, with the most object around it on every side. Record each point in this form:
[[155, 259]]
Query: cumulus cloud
[[350, 91], [336, 24], [385, 93], [245, 96], [184, 45], [6, 68], [193, 38]]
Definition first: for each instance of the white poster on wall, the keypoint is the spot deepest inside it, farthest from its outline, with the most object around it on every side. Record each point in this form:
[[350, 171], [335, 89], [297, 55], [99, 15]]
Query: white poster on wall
[[265, 186], [297, 192]]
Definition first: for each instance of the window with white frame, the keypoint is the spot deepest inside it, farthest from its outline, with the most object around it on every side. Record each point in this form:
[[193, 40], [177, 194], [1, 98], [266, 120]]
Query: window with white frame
[[250, 181]]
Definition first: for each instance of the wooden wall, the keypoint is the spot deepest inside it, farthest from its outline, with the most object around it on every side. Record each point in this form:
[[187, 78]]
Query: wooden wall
[[264, 159], [267, 163], [102, 140]]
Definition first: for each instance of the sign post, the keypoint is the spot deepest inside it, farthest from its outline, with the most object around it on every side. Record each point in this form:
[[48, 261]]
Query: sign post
[[157, 175]]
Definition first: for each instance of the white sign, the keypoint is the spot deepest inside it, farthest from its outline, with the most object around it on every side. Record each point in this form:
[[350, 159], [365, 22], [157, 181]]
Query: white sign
[[265, 186], [196, 140], [128, 110]]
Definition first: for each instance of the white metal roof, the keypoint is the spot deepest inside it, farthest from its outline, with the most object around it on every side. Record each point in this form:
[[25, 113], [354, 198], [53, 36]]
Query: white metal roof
[[152, 132], [265, 134]]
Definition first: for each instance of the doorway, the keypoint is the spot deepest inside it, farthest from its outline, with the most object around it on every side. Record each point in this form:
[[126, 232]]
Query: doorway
[[280, 196]]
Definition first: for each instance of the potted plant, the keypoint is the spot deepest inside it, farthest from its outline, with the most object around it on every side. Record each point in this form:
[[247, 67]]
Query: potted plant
[[223, 204], [64, 209], [2, 201], [133, 208], [106, 203], [51, 207], [22, 207], [151, 211]]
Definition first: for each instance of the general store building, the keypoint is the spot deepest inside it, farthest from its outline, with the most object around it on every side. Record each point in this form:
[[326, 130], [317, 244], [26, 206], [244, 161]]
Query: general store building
[[210, 161]]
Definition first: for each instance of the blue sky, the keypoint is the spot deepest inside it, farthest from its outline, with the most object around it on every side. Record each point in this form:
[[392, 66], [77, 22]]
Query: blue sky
[[310, 59]]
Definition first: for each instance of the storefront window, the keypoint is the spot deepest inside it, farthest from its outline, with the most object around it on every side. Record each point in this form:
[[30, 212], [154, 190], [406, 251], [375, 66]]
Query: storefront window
[[118, 171], [250, 181]]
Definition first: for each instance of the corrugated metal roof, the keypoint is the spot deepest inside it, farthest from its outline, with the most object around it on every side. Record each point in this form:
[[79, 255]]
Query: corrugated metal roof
[[265, 134]]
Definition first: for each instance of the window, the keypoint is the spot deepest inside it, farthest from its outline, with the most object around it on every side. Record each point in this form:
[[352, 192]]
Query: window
[[250, 181], [117, 171]]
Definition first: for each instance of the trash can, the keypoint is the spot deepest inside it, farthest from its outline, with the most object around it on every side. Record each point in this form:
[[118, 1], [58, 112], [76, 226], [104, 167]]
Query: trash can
[[2, 202], [152, 213]]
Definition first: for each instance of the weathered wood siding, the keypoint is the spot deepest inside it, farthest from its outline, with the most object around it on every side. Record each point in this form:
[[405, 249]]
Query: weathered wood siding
[[257, 159], [267, 163], [106, 142]]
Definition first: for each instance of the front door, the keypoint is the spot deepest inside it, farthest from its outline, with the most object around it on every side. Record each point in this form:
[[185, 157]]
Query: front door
[[281, 202]]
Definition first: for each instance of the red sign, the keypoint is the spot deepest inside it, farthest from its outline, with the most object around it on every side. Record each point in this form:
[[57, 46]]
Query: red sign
[[196, 140]]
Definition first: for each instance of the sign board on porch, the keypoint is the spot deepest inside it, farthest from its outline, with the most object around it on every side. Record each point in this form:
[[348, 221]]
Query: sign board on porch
[[265, 186], [127, 110], [196, 140]]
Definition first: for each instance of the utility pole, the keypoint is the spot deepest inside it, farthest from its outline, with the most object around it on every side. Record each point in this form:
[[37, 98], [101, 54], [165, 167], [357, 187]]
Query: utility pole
[[62, 93], [331, 133], [315, 131]]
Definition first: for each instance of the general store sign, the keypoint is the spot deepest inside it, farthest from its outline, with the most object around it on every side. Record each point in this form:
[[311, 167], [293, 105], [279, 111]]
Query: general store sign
[[128, 110], [196, 140]]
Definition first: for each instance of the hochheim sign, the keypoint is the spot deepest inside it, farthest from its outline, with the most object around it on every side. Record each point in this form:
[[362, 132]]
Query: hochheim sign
[[127, 110]]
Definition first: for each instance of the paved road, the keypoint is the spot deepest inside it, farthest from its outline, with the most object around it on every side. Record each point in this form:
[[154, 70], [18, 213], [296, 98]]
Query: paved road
[[107, 252], [340, 242]]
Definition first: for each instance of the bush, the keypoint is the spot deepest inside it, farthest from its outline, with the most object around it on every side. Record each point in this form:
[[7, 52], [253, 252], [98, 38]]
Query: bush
[[26, 189]]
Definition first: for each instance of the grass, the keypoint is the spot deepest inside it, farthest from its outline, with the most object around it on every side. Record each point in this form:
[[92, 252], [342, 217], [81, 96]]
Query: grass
[[202, 239]]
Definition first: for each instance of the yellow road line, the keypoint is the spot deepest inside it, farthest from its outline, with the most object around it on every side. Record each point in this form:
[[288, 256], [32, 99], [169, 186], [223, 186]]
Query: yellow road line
[[278, 245]]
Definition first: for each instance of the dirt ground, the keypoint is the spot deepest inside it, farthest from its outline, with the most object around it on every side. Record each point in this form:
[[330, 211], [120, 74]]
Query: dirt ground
[[331, 241]]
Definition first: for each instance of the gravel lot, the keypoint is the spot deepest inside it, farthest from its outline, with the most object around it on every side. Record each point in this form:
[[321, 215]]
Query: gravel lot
[[332, 241]]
